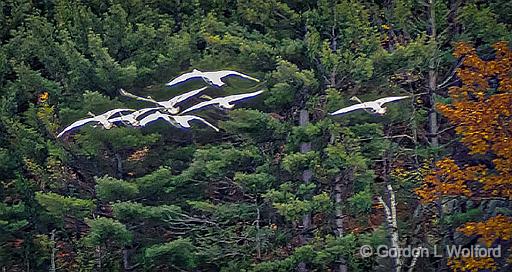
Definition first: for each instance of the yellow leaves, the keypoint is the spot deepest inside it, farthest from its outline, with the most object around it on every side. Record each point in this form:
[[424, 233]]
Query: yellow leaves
[[43, 97], [447, 179], [462, 49], [472, 264], [213, 39], [139, 155], [481, 111], [481, 118], [46, 114], [498, 227], [501, 47], [484, 120]]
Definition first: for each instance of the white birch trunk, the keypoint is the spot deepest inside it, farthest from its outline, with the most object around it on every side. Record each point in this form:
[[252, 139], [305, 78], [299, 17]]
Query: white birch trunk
[[391, 220]]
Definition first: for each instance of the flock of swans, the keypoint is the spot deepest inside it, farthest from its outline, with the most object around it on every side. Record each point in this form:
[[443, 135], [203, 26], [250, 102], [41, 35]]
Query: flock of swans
[[170, 111]]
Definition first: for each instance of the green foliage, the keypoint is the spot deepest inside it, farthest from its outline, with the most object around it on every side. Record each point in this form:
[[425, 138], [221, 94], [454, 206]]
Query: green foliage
[[361, 202], [411, 58], [60, 206], [340, 38], [286, 81], [234, 200], [133, 211], [178, 253], [7, 164], [151, 185], [457, 219], [253, 125], [293, 206], [300, 161], [111, 189], [482, 24], [107, 232], [10, 220], [218, 161], [318, 254], [255, 183]]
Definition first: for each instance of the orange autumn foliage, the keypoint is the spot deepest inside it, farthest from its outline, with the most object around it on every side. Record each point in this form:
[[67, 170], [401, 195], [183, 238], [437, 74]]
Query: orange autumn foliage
[[481, 110], [469, 264], [139, 155], [498, 227]]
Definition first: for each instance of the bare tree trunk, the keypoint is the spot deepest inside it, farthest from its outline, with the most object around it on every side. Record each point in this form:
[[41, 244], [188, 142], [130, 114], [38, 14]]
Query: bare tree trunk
[[258, 240], [126, 265], [432, 80], [54, 250], [414, 259], [119, 162], [306, 178], [27, 261], [338, 199], [98, 259], [453, 16], [390, 212]]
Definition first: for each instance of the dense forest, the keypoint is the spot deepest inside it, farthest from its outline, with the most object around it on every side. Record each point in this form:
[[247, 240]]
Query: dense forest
[[284, 186]]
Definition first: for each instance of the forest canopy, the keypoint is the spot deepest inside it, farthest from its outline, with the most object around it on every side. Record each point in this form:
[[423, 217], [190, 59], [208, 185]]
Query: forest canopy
[[284, 185]]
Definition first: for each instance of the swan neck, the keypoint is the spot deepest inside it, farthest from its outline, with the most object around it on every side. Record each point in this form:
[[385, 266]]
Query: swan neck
[[358, 100]]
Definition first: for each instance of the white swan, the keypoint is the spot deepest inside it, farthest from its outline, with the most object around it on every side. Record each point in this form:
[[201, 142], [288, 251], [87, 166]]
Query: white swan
[[103, 119], [212, 78], [169, 105], [132, 117], [370, 106], [178, 120], [224, 102]]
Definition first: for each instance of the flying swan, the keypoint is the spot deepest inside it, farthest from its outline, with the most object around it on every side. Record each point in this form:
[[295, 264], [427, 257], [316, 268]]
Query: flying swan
[[180, 120], [103, 119], [224, 102], [169, 105], [212, 78], [370, 106], [132, 118]]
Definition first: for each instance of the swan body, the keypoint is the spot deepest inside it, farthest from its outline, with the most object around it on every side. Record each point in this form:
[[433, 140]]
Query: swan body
[[223, 102], [169, 105], [212, 78]]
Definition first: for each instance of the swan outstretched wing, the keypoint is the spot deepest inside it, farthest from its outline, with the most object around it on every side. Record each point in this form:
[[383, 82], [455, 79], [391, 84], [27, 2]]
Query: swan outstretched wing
[[150, 118], [349, 109], [155, 116], [135, 114], [184, 77], [203, 104], [238, 97], [127, 94], [184, 120], [125, 118], [109, 113], [185, 96], [143, 111], [77, 124], [222, 100], [225, 73], [385, 100]]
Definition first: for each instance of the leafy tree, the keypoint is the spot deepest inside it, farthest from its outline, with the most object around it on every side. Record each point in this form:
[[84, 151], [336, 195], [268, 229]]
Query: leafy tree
[[283, 186], [480, 110]]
